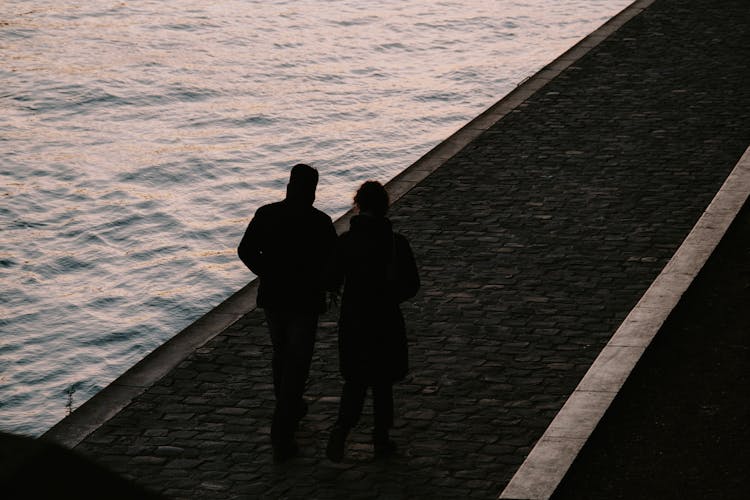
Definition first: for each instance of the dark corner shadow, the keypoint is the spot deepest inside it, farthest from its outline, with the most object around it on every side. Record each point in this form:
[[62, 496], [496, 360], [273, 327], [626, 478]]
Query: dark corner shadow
[[40, 469]]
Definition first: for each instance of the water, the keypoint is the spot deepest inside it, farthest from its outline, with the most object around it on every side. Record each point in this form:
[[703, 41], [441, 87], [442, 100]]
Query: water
[[138, 137]]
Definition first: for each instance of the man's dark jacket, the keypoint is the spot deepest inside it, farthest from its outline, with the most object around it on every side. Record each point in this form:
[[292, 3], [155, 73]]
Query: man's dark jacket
[[287, 245]]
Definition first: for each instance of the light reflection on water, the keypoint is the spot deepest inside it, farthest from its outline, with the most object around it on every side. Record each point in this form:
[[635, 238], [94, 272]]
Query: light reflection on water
[[138, 137]]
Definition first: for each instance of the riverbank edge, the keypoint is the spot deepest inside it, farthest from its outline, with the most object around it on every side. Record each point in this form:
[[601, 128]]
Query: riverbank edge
[[122, 391]]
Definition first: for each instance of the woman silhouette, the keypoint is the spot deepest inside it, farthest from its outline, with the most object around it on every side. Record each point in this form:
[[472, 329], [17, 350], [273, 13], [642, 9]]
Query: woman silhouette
[[377, 270]]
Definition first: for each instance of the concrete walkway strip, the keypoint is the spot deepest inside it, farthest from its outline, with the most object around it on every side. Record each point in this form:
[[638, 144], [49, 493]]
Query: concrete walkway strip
[[554, 453]]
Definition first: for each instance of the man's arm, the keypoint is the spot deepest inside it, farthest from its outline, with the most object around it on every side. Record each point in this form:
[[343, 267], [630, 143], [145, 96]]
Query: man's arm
[[332, 273], [330, 238], [333, 276], [249, 250]]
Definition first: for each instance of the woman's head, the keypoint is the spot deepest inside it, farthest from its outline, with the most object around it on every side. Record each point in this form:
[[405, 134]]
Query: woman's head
[[372, 198]]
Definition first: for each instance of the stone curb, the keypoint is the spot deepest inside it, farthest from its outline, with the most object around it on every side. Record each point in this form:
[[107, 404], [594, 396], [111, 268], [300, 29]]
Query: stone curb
[[554, 453], [117, 395]]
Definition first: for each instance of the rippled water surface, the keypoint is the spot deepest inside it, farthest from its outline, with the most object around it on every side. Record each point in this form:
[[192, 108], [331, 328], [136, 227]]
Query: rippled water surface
[[138, 137]]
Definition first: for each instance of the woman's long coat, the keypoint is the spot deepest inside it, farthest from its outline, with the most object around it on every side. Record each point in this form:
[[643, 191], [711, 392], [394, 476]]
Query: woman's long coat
[[377, 269]]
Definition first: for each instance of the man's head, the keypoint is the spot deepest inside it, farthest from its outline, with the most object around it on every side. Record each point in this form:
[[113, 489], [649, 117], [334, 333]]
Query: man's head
[[302, 183], [372, 198]]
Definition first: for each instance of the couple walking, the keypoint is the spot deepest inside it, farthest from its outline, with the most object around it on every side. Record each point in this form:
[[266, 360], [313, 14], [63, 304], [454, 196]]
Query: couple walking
[[293, 248]]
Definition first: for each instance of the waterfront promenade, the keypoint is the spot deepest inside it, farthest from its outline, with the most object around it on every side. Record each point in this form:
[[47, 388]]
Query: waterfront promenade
[[537, 229]]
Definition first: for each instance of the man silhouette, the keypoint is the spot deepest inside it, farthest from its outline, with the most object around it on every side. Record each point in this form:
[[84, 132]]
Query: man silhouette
[[287, 245]]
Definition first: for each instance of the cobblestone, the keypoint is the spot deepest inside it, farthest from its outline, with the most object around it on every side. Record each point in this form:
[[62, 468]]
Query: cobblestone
[[533, 242]]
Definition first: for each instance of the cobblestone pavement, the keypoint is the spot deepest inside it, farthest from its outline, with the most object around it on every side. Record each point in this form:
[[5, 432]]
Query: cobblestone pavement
[[533, 242]]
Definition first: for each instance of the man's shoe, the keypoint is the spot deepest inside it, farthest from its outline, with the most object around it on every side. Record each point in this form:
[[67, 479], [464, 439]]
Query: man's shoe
[[336, 443]]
